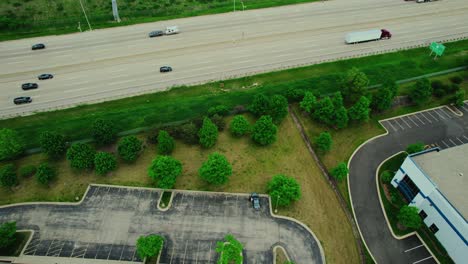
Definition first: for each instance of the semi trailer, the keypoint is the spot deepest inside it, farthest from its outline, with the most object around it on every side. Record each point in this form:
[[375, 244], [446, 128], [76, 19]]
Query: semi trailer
[[368, 35]]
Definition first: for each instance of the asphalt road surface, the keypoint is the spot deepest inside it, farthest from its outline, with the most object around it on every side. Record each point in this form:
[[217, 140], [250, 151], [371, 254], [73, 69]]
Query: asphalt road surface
[[437, 126], [118, 62], [108, 222]]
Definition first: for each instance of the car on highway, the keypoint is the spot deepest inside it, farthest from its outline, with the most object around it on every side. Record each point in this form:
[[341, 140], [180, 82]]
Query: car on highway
[[29, 86], [255, 200], [38, 46], [22, 100], [45, 76], [171, 30], [165, 69], [156, 33]]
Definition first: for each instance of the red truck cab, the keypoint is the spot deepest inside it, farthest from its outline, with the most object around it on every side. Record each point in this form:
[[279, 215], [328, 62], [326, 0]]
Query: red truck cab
[[385, 34]]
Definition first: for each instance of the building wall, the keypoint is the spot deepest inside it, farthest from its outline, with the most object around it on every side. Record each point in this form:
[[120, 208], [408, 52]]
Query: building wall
[[453, 229]]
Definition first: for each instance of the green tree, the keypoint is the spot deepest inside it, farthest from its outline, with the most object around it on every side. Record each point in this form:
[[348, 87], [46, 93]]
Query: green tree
[[129, 148], [409, 217], [458, 98], [8, 176], [324, 112], [337, 100], [278, 108], [104, 131], [260, 105], [189, 133], [382, 100], [166, 143], [387, 176], [7, 234], [165, 170], [309, 102], [81, 156], [239, 126], [264, 131], [341, 117], [283, 190], [324, 142], [354, 85], [149, 246], [208, 133], [421, 92], [216, 169], [415, 148], [104, 162], [11, 144], [230, 251], [360, 111], [340, 171], [53, 144], [45, 174], [221, 110], [294, 94]]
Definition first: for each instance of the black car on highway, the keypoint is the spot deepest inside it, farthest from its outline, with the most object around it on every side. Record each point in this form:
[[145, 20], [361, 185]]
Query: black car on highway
[[165, 69], [45, 76], [29, 86], [22, 100], [156, 33], [38, 46]]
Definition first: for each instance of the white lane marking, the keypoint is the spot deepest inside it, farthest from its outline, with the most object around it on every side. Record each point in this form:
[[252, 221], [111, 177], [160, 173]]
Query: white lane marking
[[408, 250], [405, 122], [419, 119], [460, 140], [445, 144], [422, 260], [125, 81], [239, 62]]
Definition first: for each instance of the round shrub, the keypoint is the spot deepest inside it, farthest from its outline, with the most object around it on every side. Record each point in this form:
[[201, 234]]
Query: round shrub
[[283, 190], [129, 148], [45, 174], [104, 162], [239, 126], [53, 144], [104, 131], [208, 133], [8, 176], [218, 121], [215, 170], [81, 156], [264, 131], [11, 144], [165, 170], [166, 143]]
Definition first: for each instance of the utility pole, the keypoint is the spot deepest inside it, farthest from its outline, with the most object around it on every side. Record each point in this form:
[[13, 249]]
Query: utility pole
[[84, 12], [115, 11]]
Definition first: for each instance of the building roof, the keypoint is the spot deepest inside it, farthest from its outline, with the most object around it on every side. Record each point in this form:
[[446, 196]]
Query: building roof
[[448, 170]]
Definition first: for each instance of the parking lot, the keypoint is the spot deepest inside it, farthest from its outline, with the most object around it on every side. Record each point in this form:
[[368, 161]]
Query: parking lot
[[108, 222]]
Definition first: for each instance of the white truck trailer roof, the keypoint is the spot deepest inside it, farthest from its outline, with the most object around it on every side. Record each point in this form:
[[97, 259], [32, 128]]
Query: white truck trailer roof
[[360, 36]]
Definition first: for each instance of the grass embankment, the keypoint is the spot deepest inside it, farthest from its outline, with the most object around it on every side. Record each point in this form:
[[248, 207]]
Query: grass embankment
[[393, 200], [43, 17], [15, 249], [345, 141], [189, 102], [253, 167]]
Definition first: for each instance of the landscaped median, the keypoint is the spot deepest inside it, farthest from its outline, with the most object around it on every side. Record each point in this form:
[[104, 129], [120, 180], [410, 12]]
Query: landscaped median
[[392, 202]]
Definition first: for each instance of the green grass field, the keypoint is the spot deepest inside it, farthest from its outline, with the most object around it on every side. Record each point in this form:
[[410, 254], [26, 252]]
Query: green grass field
[[28, 18], [189, 102], [253, 167]]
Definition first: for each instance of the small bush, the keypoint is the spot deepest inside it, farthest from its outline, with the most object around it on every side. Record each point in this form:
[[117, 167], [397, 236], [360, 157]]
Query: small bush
[[220, 110], [129, 148], [218, 121], [414, 148], [453, 88], [189, 133], [166, 143], [456, 79], [387, 176], [239, 126], [439, 92], [104, 162], [27, 171], [284, 190], [437, 84], [8, 176], [45, 174], [340, 171]]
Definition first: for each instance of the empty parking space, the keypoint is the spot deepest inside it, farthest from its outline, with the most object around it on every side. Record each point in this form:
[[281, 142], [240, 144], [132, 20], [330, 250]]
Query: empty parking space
[[418, 120]]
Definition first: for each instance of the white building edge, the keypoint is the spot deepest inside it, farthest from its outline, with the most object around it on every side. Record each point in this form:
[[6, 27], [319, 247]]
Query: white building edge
[[436, 181]]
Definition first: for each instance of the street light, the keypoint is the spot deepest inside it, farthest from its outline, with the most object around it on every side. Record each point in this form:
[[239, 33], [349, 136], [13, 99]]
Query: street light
[[276, 207], [84, 12]]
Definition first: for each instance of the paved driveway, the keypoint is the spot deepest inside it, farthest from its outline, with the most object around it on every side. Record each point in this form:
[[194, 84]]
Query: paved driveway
[[436, 126], [110, 219]]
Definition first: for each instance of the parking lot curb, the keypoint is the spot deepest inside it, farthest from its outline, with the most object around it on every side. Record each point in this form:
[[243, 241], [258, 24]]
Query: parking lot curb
[[385, 213], [168, 205], [275, 248]]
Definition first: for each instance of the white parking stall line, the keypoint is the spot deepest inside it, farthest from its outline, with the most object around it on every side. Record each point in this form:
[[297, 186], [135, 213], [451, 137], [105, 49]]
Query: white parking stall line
[[185, 252], [440, 116], [445, 111], [426, 118], [388, 122], [408, 250], [443, 142], [209, 254], [429, 112], [108, 255], [419, 119], [466, 109], [453, 142], [412, 121], [405, 122], [399, 124], [465, 137], [198, 250], [421, 260], [172, 255], [460, 140]]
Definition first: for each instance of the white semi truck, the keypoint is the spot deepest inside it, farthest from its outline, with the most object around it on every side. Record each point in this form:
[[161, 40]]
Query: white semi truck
[[368, 35]]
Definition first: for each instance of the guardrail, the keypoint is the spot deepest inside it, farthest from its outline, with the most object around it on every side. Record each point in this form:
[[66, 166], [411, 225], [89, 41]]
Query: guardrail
[[231, 74]]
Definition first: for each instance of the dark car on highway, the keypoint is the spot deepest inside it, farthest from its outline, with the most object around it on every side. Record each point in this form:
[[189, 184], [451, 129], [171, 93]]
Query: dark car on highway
[[165, 69], [22, 100], [29, 86], [38, 46], [45, 76], [255, 200], [156, 33]]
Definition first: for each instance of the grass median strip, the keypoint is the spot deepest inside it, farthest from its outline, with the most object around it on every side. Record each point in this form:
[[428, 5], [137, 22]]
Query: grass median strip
[[188, 102]]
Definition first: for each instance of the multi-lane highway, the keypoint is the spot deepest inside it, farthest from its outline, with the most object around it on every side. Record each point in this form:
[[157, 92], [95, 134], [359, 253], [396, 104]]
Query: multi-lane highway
[[117, 62]]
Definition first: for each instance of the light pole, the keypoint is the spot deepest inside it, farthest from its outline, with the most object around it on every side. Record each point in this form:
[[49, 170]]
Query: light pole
[[234, 5], [276, 207], [84, 12]]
